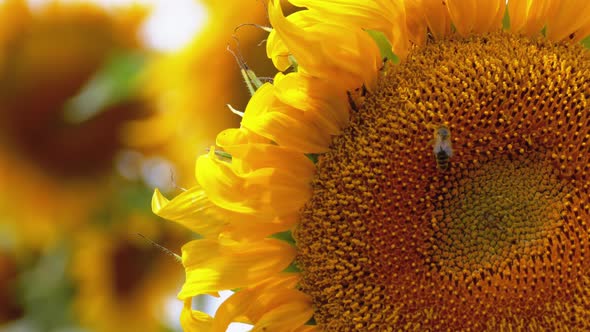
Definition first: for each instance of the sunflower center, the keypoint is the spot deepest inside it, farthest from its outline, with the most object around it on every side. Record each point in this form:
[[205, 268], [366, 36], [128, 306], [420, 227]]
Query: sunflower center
[[457, 198], [507, 208]]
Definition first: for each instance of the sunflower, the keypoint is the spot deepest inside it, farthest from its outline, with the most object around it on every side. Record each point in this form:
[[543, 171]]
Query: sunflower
[[10, 306], [61, 119], [126, 285], [444, 189]]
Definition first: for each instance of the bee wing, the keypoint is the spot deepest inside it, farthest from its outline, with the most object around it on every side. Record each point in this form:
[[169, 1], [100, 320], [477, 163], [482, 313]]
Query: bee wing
[[446, 147]]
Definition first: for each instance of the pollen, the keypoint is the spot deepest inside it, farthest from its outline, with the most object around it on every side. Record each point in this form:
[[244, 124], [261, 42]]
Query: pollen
[[497, 240]]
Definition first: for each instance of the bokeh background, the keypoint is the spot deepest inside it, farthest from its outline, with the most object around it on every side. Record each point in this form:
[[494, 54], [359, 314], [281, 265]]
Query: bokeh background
[[101, 102]]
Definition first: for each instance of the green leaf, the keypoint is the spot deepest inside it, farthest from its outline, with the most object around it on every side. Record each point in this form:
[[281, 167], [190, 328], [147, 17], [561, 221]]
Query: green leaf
[[286, 236], [135, 197], [223, 155], [47, 291], [252, 81], [506, 20], [311, 321], [294, 63], [586, 42], [116, 81], [129, 198], [293, 268], [314, 157], [384, 45]]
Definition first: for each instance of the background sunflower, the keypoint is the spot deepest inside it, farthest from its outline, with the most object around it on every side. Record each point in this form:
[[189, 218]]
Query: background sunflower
[[57, 148], [91, 120]]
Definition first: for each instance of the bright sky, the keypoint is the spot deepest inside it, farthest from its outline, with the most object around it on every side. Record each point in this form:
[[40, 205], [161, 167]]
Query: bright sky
[[173, 23]]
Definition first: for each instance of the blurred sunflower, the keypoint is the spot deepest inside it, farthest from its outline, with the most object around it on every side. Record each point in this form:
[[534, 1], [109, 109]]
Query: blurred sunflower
[[62, 111], [125, 287], [448, 191], [71, 76], [10, 306], [193, 86]]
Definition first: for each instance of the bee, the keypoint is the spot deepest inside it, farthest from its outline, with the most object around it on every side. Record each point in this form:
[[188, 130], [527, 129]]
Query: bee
[[442, 147]]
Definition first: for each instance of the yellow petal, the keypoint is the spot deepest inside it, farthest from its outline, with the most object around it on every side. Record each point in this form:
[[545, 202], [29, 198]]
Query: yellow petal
[[400, 41], [287, 126], [388, 17], [463, 14], [231, 136], [489, 15], [198, 214], [372, 15], [416, 22], [470, 16], [191, 209], [329, 50], [519, 13], [192, 320], [287, 317], [242, 229], [274, 304], [276, 48], [265, 192], [567, 17], [528, 16], [239, 304], [219, 265], [316, 98], [582, 32], [437, 17], [248, 156], [277, 51], [307, 328]]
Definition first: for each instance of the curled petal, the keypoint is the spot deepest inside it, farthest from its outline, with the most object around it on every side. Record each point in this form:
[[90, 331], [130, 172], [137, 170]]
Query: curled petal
[[388, 17], [274, 305], [287, 126], [328, 50], [198, 214], [213, 265], [287, 317], [192, 320], [276, 48], [372, 15], [277, 51], [265, 192], [190, 209], [249, 156], [316, 98]]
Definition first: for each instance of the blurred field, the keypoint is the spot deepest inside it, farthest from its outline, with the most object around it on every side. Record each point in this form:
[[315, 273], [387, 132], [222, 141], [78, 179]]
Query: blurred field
[[100, 103]]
